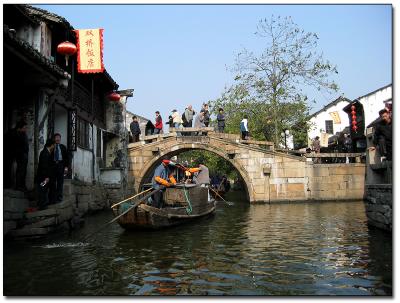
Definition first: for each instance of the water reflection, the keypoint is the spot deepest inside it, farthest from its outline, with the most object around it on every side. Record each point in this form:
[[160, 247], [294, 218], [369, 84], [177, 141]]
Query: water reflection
[[284, 249]]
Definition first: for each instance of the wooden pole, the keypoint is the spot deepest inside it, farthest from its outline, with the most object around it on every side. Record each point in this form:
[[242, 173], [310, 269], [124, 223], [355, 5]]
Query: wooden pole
[[127, 199], [125, 212]]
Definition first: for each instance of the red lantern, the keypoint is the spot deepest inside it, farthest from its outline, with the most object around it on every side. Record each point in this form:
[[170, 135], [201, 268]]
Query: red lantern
[[354, 127], [353, 112], [67, 49], [353, 117], [114, 97], [354, 122], [353, 107]]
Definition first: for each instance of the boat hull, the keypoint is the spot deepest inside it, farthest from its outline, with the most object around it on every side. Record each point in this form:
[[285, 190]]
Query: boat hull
[[181, 205]]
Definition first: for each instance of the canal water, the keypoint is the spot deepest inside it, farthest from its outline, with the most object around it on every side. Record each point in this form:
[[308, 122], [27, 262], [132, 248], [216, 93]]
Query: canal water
[[261, 250]]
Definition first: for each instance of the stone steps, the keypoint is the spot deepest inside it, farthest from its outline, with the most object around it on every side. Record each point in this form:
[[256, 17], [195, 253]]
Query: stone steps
[[14, 206], [42, 222]]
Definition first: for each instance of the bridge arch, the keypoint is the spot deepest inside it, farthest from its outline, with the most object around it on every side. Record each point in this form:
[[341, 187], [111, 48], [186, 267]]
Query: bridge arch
[[178, 148]]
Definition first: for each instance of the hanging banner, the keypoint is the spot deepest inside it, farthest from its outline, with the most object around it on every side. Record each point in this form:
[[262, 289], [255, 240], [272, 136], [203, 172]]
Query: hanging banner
[[90, 50], [335, 117], [324, 140]]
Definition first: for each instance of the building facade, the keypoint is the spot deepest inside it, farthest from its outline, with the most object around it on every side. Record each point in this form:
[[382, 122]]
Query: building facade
[[53, 97], [329, 120], [332, 118]]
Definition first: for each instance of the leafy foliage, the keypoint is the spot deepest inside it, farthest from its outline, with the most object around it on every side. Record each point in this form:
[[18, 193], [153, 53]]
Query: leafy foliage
[[268, 86], [216, 164]]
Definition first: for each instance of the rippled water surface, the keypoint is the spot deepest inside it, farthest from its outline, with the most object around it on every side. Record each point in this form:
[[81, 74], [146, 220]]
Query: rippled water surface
[[283, 249]]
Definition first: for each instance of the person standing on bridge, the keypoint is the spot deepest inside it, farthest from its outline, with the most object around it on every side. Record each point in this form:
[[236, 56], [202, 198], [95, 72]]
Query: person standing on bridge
[[221, 121], [206, 114], [189, 114], [158, 125], [135, 129], [244, 129], [177, 120], [199, 121]]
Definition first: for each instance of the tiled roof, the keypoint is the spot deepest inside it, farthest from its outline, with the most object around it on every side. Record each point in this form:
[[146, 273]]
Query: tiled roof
[[43, 14], [373, 92], [23, 46]]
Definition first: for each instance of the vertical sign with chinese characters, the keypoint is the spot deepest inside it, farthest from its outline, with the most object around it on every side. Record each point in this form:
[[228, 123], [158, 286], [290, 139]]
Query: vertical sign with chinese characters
[[90, 50]]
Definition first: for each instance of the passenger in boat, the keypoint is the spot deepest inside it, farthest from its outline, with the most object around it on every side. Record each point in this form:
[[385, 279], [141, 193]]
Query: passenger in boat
[[203, 175], [162, 177]]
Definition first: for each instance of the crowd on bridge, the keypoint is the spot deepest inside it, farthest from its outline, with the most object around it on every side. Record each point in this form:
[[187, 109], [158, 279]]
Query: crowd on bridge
[[188, 119]]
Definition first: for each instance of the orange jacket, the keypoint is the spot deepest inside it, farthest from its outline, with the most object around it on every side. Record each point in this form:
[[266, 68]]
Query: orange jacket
[[165, 182]]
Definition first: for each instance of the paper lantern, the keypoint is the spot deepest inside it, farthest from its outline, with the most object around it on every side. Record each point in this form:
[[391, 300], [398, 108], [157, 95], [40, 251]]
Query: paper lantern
[[114, 97], [67, 49]]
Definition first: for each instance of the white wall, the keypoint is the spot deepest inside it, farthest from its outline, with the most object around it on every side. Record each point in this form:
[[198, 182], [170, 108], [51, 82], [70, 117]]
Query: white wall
[[111, 176], [82, 165], [83, 159], [374, 103], [61, 123], [318, 121]]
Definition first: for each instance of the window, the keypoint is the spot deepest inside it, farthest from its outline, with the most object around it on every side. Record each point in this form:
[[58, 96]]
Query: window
[[329, 126], [83, 133]]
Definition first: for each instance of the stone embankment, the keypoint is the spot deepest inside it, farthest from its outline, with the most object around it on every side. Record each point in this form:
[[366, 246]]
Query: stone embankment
[[378, 197], [378, 204], [22, 219]]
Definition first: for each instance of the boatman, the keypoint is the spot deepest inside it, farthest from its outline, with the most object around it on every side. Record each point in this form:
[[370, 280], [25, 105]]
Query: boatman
[[162, 177]]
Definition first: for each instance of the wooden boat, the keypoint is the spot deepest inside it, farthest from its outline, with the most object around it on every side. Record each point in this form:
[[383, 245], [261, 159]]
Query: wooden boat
[[182, 203]]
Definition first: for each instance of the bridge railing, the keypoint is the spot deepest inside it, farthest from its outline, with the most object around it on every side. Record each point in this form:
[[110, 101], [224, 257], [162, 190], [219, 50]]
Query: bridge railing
[[193, 131], [335, 157]]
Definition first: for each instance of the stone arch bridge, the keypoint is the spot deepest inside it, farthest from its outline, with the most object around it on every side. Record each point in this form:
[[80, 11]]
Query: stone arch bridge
[[269, 175]]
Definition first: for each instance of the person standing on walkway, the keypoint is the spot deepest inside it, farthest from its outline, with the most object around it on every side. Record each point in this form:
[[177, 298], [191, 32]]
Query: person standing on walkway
[[221, 121], [189, 114], [244, 129], [158, 125], [16, 148], [135, 129], [206, 114], [383, 135], [45, 174], [21, 150], [61, 165]]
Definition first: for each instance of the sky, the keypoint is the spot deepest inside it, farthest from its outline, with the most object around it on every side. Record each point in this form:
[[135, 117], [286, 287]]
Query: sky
[[175, 55]]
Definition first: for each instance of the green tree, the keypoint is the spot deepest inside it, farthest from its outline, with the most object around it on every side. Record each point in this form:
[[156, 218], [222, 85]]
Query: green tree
[[216, 164], [269, 86]]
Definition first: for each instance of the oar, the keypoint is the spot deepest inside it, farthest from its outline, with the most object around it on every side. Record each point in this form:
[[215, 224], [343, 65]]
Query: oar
[[229, 203], [125, 212], [127, 199]]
